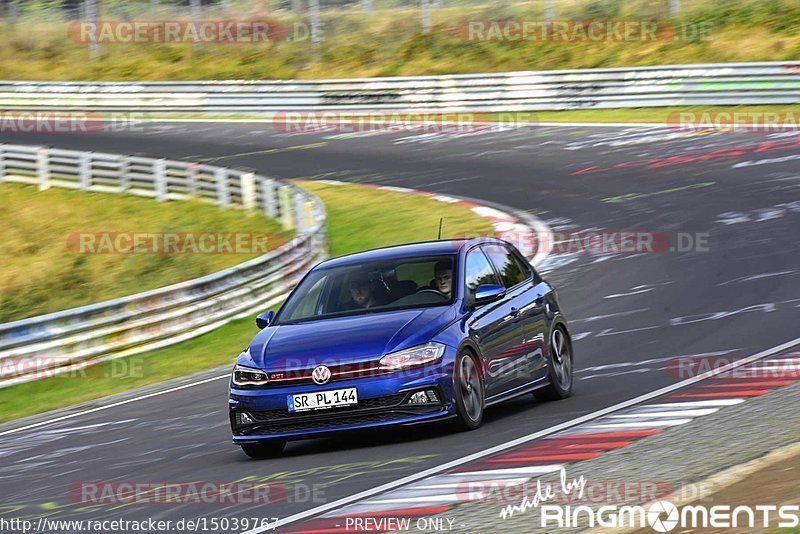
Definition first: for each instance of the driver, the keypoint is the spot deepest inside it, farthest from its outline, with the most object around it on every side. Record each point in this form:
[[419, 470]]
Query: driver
[[443, 277], [361, 292]]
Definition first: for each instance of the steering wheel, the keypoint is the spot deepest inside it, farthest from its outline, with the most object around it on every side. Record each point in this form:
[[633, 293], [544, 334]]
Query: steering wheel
[[433, 291]]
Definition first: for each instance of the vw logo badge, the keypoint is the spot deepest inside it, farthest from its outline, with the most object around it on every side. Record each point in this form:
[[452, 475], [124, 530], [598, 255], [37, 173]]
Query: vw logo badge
[[321, 374]]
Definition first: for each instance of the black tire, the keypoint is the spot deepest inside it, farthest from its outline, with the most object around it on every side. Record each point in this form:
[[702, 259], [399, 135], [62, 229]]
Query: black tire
[[559, 367], [468, 392], [268, 449]]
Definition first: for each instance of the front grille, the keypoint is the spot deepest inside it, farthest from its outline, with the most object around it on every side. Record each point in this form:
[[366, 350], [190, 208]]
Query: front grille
[[264, 416], [372, 410], [344, 371]]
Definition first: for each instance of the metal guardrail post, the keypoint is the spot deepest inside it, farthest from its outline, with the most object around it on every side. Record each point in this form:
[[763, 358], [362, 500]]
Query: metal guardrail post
[[223, 196], [309, 213], [160, 177], [191, 177], [425, 15], [42, 168], [285, 197], [316, 27], [85, 170], [268, 190], [124, 176], [299, 215], [248, 180]]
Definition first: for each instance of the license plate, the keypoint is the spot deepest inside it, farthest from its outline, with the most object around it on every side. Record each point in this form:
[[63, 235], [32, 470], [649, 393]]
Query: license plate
[[322, 399]]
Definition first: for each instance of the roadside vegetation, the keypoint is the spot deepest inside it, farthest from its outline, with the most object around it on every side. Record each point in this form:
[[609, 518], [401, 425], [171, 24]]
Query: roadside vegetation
[[46, 267], [391, 43], [357, 220]]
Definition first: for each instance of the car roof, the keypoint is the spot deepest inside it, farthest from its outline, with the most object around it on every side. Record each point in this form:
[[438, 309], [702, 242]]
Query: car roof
[[426, 248]]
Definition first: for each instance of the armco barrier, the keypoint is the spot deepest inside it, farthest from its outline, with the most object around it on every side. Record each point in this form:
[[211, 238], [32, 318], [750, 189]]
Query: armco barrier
[[72, 339], [671, 85]]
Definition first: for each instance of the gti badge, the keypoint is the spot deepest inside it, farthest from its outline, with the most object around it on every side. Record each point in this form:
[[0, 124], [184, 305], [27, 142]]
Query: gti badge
[[321, 375]]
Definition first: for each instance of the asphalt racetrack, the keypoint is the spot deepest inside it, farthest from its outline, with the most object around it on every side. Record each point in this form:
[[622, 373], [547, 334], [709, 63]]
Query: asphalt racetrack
[[734, 199]]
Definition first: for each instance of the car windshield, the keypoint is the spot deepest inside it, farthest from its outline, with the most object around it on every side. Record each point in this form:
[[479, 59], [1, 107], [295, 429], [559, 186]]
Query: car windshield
[[381, 286]]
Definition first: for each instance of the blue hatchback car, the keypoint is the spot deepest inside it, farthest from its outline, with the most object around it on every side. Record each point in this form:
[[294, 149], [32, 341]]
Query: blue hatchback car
[[399, 336]]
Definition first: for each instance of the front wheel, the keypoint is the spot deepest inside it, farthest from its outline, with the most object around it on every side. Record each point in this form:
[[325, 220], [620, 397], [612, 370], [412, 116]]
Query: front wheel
[[468, 392], [268, 449], [559, 368]]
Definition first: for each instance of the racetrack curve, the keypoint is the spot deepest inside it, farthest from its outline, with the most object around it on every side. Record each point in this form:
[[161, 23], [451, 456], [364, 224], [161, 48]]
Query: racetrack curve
[[628, 313]]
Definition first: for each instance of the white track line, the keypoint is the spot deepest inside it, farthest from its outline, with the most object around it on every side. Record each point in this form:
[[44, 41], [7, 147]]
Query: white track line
[[693, 404], [673, 413], [457, 485], [120, 403], [524, 439], [512, 471], [642, 424]]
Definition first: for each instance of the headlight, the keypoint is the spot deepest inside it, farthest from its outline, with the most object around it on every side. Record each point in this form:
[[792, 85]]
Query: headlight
[[411, 357], [247, 376]]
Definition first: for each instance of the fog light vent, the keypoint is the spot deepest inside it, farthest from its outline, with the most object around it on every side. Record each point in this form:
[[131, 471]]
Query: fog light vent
[[243, 418], [418, 398], [427, 396]]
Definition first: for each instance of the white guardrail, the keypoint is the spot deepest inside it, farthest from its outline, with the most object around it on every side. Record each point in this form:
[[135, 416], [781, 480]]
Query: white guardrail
[[672, 85], [70, 340]]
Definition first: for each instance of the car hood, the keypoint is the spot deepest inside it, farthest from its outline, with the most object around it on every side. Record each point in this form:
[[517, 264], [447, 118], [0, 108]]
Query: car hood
[[344, 340]]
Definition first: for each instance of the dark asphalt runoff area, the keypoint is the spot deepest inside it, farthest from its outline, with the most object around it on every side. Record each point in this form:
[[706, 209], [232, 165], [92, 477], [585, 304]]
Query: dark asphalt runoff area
[[734, 199]]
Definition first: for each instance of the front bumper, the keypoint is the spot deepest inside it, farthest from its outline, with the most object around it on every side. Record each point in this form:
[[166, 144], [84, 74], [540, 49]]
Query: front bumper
[[382, 402]]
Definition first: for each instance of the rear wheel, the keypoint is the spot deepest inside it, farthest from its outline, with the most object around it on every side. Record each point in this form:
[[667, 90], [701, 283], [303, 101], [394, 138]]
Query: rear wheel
[[268, 449], [468, 393], [559, 368]]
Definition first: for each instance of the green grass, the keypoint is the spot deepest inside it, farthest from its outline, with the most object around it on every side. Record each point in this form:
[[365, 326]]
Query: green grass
[[44, 270], [665, 116], [358, 218], [656, 115], [391, 44], [361, 218]]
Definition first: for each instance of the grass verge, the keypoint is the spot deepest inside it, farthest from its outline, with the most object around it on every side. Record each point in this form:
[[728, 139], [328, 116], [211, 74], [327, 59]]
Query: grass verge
[[358, 219], [390, 42], [665, 116], [55, 257]]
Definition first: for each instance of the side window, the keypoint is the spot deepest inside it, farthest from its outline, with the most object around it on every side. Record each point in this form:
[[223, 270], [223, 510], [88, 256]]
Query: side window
[[508, 265], [478, 270]]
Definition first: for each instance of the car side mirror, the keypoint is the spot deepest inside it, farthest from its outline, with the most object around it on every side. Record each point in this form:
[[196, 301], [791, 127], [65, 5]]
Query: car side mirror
[[486, 293], [263, 320]]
